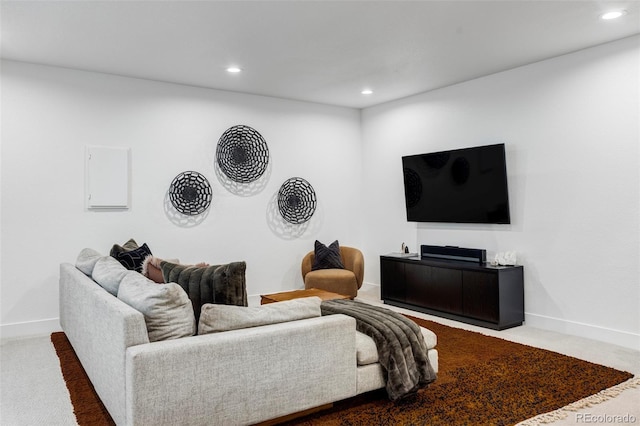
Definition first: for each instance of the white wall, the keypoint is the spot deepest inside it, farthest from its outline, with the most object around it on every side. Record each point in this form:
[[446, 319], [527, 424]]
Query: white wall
[[571, 129], [50, 114]]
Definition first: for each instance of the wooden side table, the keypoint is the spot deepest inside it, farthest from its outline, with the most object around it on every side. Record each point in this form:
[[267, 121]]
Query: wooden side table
[[297, 294]]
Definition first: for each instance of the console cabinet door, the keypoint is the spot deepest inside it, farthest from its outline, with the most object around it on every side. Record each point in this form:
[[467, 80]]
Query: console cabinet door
[[392, 280], [480, 295], [446, 290], [417, 278], [434, 288]]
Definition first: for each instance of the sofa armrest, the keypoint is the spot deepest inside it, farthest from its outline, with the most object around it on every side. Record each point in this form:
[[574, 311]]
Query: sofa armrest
[[242, 376], [100, 328]]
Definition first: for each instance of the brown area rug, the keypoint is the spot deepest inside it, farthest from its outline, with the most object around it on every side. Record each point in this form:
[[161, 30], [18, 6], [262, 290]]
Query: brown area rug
[[87, 407], [482, 381]]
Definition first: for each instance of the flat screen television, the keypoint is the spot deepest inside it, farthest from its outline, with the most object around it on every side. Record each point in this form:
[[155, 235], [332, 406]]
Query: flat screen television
[[459, 186]]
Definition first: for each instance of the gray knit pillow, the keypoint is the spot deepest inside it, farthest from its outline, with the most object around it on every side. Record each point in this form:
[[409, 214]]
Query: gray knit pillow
[[86, 260], [109, 273], [166, 307]]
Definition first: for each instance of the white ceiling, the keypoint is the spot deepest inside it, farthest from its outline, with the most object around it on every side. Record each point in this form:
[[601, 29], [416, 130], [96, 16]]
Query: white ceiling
[[316, 51]]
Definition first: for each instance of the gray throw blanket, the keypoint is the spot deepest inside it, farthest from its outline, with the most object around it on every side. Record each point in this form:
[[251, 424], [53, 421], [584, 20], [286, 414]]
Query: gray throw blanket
[[219, 284], [402, 351]]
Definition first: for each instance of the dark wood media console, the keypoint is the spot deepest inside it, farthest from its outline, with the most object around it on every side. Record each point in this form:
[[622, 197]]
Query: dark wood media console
[[479, 294]]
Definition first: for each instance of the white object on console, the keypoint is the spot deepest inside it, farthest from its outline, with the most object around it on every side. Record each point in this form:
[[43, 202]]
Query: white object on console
[[505, 258]]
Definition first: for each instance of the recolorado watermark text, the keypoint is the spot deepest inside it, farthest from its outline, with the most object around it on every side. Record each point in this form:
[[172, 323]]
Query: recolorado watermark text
[[616, 419]]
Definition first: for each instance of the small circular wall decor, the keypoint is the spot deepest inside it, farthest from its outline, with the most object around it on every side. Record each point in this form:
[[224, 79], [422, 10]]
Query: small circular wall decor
[[242, 154], [190, 193], [297, 200]]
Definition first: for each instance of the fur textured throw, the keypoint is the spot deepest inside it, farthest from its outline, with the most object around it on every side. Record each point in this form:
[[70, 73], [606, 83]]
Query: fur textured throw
[[402, 351], [219, 284]]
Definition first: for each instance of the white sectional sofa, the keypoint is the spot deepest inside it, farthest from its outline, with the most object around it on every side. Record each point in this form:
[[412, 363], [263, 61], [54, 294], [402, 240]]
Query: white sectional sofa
[[241, 377]]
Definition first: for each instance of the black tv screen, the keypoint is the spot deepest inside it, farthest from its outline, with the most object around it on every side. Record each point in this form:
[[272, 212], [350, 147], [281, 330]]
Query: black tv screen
[[459, 186]]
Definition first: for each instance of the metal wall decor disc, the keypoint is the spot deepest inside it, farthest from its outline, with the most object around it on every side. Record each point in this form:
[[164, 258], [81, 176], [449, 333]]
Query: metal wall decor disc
[[297, 200], [190, 193], [242, 154]]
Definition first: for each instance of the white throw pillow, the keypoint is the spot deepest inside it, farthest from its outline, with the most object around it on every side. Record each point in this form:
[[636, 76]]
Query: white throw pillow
[[108, 273], [87, 260], [216, 318], [167, 309]]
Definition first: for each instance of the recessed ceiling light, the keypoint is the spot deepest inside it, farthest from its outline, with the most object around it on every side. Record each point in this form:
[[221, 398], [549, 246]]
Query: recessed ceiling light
[[367, 92], [613, 14], [234, 70]]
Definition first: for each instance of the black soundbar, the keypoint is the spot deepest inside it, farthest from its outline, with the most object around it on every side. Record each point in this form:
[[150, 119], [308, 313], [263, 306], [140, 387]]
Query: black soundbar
[[454, 253]]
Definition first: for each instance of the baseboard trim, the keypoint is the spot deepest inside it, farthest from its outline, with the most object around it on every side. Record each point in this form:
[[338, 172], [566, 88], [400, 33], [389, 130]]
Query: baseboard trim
[[29, 328], [253, 299], [588, 331], [370, 286]]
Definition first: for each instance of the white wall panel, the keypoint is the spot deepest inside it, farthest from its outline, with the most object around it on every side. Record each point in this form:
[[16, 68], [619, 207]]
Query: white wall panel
[[107, 177]]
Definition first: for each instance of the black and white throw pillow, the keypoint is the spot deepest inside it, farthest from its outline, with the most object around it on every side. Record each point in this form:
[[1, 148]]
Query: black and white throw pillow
[[133, 259]]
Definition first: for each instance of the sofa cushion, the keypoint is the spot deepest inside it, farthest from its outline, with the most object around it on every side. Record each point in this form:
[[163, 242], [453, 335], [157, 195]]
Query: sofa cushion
[[87, 260], [217, 318], [133, 259], [166, 307], [108, 273], [128, 246], [327, 257], [220, 284], [367, 353]]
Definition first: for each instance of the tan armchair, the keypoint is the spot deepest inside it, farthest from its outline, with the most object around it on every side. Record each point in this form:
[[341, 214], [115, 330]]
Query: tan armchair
[[342, 281]]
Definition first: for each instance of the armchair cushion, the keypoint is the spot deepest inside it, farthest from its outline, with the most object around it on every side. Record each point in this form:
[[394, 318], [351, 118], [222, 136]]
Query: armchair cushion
[[339, 281]]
